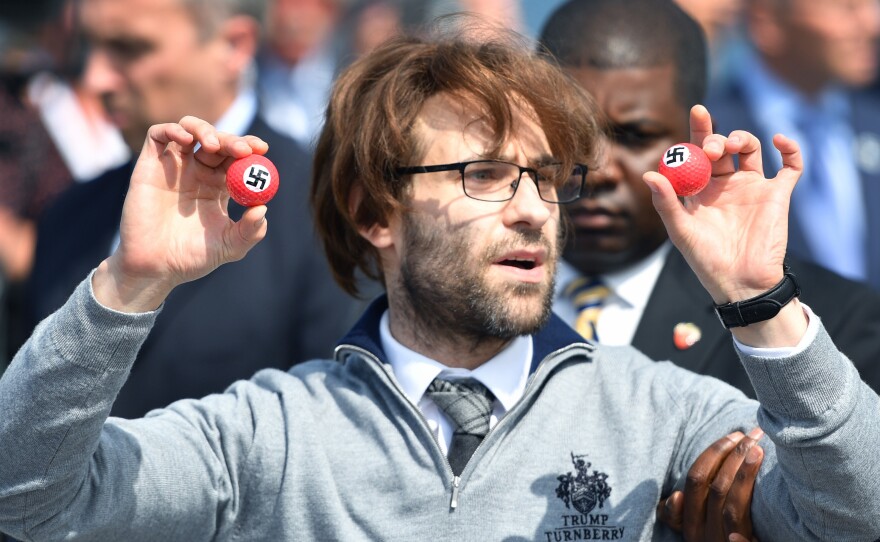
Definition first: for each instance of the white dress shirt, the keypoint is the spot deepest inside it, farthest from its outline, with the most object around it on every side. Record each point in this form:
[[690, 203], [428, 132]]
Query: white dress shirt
[[630, 291], [505, 375], [625, 304], [88, 144]]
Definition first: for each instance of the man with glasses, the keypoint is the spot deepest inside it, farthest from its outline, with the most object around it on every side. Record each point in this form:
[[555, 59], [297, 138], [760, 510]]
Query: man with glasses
[[459, 407], [497, 180]]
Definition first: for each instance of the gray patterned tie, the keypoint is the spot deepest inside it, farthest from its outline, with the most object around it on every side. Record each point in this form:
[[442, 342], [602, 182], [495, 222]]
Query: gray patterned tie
[[468, 405]]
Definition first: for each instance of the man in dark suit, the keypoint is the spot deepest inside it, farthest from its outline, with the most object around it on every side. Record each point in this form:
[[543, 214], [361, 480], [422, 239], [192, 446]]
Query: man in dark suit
[[800, 75], [646, 71], [157, 61]]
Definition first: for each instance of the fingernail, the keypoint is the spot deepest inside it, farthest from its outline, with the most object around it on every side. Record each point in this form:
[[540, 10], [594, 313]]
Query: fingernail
[[756, 433], [754, 453], [212, 139], [734, 139], [736, 436]]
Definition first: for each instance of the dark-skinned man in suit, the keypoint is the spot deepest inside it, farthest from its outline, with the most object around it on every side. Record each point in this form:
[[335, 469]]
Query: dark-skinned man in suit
[[645, 64]]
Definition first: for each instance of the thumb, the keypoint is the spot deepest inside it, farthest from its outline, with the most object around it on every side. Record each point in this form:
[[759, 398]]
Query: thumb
[[670, 511], [665, 199], [247, 232]]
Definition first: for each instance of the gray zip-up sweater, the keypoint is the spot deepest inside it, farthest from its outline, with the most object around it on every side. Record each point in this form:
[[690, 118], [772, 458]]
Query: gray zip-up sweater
[[332, 450]]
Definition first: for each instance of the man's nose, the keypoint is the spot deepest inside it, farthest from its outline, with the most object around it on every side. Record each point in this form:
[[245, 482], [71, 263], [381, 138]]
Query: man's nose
[[607, 175], [526, 206], [100, 75]]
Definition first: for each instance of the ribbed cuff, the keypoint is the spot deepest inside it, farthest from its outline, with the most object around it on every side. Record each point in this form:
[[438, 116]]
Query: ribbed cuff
[[95, 337], [806, 384]]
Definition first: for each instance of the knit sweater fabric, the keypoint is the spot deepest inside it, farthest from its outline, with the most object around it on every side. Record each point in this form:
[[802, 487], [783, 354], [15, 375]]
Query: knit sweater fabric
[[333, 450]]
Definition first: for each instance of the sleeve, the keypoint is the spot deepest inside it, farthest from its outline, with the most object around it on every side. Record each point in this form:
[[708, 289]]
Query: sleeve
[[822, 480], [67, 472], [820, 477]]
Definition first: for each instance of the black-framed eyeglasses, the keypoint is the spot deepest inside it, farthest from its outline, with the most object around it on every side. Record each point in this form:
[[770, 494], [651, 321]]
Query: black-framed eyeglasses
[[497, 181]]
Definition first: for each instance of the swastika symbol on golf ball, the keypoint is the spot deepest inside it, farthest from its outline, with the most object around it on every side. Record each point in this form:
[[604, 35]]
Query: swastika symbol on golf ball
[[676, 156], [257, 178]]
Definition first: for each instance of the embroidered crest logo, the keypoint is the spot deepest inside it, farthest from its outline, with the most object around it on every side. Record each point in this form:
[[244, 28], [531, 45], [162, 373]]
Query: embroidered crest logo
[[583, 490]]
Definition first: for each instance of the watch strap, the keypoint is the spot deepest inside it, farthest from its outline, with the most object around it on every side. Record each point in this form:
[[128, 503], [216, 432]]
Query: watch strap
[[761, 307]]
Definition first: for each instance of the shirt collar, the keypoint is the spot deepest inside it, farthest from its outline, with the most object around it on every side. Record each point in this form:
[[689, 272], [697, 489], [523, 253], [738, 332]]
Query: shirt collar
[[240, 115], [634, 284], [505, 374], [631, 286]]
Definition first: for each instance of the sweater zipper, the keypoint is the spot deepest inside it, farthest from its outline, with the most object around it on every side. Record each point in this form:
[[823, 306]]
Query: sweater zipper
[[413, 408], [456, 480], [536, 376]]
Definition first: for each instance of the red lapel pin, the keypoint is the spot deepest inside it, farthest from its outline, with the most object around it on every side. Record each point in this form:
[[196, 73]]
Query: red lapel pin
[[685, 335]]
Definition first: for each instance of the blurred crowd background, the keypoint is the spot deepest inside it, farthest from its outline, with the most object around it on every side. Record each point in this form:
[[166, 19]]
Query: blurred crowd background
[[64, 122]]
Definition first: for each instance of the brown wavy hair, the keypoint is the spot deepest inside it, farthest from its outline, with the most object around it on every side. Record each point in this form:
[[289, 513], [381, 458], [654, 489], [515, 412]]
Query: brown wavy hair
[[367, 133]]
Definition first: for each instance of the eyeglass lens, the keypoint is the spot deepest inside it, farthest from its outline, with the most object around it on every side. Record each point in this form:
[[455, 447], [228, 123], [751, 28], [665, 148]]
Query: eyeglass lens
[[496, 181]]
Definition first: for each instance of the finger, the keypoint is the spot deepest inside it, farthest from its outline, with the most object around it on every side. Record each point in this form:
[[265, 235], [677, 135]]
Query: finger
[[669, 510], [736, 537], [204, 132], [246, 233], [737, 507], [699, 478], [238, 146], [722, 482], [701, 124], [715, 147], [792, 159], [160, 135], [208, 158], [748, 147], [258, 146], [231, 148]]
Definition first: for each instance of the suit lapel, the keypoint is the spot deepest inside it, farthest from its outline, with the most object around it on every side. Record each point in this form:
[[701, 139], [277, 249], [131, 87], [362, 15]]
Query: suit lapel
[[678, 297]]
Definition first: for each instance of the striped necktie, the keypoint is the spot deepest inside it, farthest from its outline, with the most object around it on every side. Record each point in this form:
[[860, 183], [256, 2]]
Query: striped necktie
[[588, 295]]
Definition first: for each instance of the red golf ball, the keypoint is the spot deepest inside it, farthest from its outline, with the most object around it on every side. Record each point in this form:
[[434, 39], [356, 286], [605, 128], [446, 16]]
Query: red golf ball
[[687, 167], [252, 180]]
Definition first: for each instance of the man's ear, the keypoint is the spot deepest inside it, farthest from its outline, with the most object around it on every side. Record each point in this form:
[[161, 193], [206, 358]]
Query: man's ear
[[241, 34], [764, 29], [380, 235]]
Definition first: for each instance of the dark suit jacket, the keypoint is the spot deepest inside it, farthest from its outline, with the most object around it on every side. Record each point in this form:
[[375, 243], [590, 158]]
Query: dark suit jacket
[[277, 306], [849, 310], [730, 111]]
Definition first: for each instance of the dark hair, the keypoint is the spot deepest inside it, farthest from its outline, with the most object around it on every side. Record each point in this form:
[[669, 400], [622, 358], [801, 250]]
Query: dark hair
[[608, 34], [368, 133]]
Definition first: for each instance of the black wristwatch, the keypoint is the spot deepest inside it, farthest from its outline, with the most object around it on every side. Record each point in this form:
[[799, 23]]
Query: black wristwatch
[[761, 307]]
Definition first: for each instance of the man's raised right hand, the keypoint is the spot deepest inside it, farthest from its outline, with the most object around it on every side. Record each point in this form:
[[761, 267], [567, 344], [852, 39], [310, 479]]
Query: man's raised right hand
[[175, 227]]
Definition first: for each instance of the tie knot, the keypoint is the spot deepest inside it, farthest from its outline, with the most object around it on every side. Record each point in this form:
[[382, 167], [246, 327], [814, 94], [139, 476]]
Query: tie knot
[[467, 404], [587, 294]]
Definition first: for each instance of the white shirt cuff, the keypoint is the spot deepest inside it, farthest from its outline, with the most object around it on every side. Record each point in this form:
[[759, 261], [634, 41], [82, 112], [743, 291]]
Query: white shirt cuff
[[787, 351]]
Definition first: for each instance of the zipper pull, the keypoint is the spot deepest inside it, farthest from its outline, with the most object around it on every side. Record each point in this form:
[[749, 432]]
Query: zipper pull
[[455, 481]]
